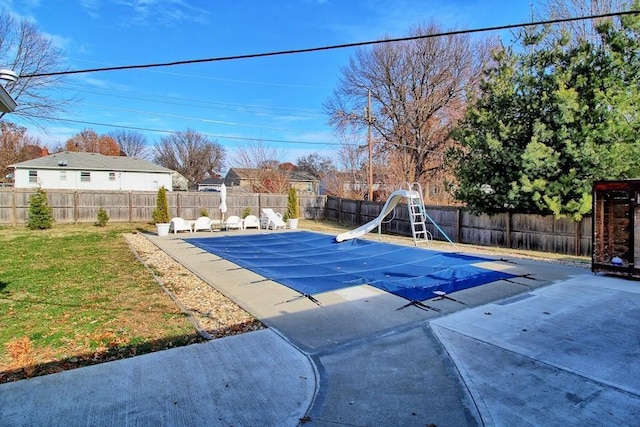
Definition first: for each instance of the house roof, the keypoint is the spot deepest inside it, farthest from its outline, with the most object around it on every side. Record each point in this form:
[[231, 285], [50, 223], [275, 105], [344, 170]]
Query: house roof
[[243, 173], [91, 161], [295, 176], [211, 181], [301, 176]]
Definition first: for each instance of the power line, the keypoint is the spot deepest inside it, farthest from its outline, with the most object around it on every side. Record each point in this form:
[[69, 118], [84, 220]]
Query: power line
[[234, 138], [176, 116], [188, 102], [222, 79], [333, 47]]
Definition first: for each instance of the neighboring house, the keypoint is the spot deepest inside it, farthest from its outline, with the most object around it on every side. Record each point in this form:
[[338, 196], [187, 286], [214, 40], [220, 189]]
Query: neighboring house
[[240, 177], [210, 184], [305, 183], [91, 171], [180, 183], [355, 183], [243, 177]]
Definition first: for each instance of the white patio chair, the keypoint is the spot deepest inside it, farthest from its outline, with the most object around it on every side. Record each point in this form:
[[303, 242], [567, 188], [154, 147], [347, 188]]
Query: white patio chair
[[203, 223], [179, 224], [251, 221], [233, 222], [274, 219]]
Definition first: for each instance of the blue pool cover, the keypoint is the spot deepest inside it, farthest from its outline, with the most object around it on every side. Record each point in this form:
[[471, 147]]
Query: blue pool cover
[[312, 263]]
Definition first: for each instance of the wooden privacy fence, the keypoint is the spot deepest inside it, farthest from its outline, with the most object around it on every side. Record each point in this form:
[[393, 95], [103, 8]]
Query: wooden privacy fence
[[516, 231], [70, 206]]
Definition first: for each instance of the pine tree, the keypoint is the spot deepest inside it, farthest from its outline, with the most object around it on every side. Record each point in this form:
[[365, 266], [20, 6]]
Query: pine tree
[[551, 119], [40, 214]]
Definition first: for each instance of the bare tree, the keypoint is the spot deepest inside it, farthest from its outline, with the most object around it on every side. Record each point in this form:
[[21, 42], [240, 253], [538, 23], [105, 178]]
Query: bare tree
[[315, 165], [191, 154], [418, 91], [131, 143], [16, 146], [583, 29], [262, 164], [351, 180], [27, 52]]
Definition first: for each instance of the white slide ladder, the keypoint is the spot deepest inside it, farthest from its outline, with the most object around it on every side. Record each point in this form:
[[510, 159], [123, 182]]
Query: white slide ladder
[[417, 214]]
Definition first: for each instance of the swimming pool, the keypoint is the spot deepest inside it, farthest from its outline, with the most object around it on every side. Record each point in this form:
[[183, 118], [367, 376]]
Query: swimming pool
[[313, 263]]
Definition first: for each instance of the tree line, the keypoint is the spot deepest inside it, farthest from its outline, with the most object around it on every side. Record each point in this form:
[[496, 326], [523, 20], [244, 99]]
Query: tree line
[[192, 154], [519, 127], [525, 127]]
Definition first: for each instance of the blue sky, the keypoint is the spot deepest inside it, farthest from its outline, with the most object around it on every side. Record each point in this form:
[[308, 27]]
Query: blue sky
[[276, 98]]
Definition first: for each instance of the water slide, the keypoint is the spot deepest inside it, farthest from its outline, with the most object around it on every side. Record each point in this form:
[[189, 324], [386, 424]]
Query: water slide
[[388, 207]]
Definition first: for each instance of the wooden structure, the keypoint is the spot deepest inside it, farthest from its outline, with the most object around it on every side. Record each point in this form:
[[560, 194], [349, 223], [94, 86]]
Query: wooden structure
[[616, 227]]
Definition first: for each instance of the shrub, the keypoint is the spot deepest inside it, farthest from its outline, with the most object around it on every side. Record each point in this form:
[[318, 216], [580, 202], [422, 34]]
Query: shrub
[[246, 212], [293, 210], [102, 218], [161, 212], [204, 212], [40, 214]]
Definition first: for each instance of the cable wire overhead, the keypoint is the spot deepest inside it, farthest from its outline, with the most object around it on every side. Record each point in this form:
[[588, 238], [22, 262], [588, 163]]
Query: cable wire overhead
[[332, 47]]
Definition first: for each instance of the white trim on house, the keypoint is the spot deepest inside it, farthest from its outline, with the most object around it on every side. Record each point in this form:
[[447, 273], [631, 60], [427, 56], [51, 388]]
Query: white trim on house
[[91, 171]]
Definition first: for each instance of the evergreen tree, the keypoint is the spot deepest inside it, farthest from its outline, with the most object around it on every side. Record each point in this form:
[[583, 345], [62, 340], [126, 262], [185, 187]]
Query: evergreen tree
[[40, 214], [102, 217], [551, 119], [161, 212], [293, 211]]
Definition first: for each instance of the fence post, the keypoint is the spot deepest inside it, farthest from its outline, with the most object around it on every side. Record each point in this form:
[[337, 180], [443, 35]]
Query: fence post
[[459, 225], [326, 207], [508, 231], [577, 233], [76, 207], [14, 209], [130, 197]]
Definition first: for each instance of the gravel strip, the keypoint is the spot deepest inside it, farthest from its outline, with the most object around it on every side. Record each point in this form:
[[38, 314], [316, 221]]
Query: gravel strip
[[212, 311]]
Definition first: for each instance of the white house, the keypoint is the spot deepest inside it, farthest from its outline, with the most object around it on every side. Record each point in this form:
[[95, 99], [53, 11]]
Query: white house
[[91, 171]]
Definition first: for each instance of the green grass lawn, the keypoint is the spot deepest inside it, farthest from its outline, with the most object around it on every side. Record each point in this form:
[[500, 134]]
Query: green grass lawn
[[75, 295]]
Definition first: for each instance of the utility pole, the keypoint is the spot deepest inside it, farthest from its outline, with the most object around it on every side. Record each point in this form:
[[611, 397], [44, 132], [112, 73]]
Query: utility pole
[[370, 144]]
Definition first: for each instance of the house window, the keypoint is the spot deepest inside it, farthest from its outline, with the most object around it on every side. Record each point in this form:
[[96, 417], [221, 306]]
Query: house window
[[112, 176], [85, 176], [33, 176], [63, 175]]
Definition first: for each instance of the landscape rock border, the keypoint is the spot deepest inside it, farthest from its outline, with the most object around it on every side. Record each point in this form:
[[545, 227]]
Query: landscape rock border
[[213, 314]]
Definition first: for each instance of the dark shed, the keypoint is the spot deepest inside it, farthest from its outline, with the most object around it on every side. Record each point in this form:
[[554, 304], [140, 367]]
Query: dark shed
[[616, 226]]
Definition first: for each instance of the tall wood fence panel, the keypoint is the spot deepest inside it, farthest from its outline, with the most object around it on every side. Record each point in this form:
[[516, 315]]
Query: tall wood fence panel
[[69, 206], [516, 231]]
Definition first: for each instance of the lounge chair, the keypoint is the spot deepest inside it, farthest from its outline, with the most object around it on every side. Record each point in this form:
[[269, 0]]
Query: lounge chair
[[264, 221], [273, 219], [233, 222], [179, 224], [203, 223], [251, 221]]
